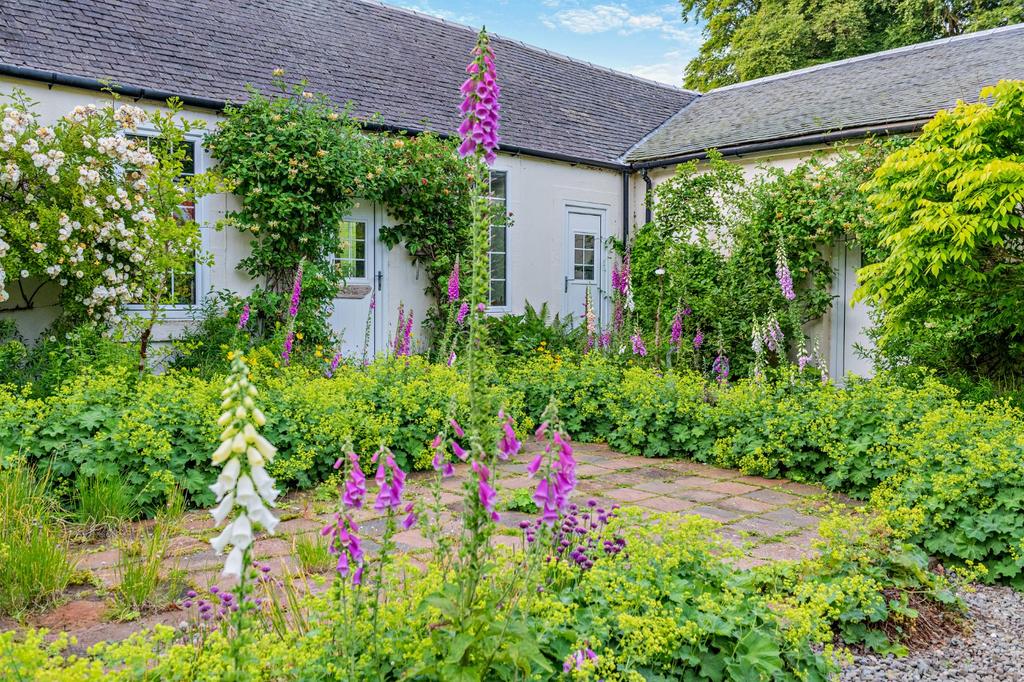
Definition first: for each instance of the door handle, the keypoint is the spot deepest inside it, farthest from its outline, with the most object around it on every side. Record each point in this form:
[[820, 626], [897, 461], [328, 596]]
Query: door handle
[[380, 279], [566, 284]]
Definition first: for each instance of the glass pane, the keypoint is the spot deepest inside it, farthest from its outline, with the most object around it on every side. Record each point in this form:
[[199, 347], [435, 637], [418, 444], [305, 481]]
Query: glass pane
[[497, 292], [588, 257], [183, 288], [588, 272], [188, 164], [498, 185], [580, 241], [360, 269], [497, 266], [578, 272], [497, 238]]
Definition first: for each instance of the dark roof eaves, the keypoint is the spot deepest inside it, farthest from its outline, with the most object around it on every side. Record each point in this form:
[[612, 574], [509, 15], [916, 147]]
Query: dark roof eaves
[[154, 95], [888, 128]]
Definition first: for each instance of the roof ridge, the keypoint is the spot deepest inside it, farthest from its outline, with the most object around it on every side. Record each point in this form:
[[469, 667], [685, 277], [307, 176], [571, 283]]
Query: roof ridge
[[557, 55], [869, 56]]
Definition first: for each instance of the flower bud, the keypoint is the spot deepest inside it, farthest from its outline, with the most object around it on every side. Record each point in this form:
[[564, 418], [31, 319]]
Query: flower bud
[[258, 416]]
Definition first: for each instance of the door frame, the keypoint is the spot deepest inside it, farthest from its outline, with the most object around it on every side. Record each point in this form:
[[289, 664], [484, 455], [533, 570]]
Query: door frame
[[602, 300], [375, 214]]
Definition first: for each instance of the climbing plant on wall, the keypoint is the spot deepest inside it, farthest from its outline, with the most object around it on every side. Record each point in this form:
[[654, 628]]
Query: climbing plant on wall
[[300, 163], [718, 239]]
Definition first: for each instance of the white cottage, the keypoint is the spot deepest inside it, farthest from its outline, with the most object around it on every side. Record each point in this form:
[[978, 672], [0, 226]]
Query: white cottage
[[581, 144]]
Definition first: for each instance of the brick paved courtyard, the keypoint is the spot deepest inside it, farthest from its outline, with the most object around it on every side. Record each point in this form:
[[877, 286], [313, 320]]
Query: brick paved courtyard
[[769, 519]]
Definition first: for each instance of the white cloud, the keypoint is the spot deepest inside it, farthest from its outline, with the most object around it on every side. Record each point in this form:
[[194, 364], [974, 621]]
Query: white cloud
[[425, 7], [668, 70], [602, 18]]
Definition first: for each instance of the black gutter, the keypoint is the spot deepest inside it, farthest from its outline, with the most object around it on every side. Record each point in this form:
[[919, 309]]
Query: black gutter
[[787, 142], [53, 78]]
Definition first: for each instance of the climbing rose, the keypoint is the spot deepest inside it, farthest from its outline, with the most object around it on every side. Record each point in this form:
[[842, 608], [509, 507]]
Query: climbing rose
[[480, 108]]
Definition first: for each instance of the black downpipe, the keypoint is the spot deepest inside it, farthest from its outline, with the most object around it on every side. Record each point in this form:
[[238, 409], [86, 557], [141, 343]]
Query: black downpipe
[[625, 207], [647, 196]]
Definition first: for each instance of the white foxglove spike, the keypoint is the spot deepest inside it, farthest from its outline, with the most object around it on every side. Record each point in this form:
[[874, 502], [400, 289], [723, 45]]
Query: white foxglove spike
[[221, 511]]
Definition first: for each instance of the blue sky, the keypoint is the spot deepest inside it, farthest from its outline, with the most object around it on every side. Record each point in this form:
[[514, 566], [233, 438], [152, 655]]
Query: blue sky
[[644, 37]]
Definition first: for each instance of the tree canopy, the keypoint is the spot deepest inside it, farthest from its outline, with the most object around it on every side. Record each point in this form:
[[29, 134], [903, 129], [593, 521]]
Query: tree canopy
[[748, 39]]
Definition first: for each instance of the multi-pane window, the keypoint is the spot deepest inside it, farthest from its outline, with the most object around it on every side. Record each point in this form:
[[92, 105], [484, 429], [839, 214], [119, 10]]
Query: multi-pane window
[[182, 285], [583, 257], [498, 250], [350, 257]]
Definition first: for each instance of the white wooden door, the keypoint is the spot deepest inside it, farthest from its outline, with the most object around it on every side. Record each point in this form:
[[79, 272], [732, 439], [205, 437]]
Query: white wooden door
[[359, 259], [584, 260], [849, 323]]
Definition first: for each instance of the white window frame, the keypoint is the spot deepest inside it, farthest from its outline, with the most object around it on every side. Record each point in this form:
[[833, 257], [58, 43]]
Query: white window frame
[[333, 259], [507, 307], [180, 311]]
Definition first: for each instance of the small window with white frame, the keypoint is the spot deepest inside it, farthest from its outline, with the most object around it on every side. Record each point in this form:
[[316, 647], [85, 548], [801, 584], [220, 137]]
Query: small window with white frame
[[350, 257], [183, 289], [497, 253]]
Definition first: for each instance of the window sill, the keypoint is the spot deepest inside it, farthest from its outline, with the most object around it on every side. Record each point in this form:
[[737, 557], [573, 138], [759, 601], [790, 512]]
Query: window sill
[[168, 313]]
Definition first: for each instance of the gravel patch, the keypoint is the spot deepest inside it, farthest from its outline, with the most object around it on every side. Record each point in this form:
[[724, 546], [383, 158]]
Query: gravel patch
[[992, 650]]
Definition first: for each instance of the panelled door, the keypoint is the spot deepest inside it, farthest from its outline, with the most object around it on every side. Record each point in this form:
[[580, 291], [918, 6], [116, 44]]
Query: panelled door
[[584, 259], [359, 259]]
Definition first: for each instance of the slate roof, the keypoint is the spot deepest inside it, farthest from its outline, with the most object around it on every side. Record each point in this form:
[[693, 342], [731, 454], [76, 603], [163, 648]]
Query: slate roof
[[877, 90], [402, 64]]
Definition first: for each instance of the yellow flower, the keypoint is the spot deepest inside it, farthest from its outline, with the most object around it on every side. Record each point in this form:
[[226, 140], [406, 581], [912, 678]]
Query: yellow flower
[[298, 335]]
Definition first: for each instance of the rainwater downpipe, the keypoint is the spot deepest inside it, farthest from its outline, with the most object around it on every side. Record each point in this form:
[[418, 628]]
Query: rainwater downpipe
[[649, 185]]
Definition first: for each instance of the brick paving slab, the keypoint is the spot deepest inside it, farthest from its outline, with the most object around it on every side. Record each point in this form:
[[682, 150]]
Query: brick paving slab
[[792, 517], [666, 504], [622, 464], [694, 482], [744, 504], [800, 488], [761, 526], [731, 488], [772, 497], [658, 487], [590, 470], [714, 513], [628, 494], [696, 495], [712, 472]]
